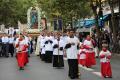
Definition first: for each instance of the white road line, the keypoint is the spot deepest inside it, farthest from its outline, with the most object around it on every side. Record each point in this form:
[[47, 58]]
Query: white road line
[[88, 69], [65, 59], [91, 70], [97, 73]]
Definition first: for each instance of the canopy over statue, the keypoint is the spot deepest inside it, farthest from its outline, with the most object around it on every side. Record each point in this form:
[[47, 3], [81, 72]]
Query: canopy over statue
[[34, 18]]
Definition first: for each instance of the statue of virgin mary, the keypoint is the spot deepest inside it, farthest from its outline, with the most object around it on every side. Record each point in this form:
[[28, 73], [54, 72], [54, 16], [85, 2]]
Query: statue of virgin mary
[[34, 18]]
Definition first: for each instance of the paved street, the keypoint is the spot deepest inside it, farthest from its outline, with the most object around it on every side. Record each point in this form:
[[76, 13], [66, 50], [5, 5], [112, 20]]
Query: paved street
[[38, 70]]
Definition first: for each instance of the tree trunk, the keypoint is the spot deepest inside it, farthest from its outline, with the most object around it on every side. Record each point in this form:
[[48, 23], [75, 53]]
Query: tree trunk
[[119, 13], [96, 18], [119, 7], [113, 22], [113, 26], [97, 27]]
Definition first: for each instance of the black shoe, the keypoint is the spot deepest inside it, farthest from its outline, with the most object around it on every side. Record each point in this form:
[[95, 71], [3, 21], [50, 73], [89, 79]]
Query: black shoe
[[97, 57], [12, 56], [104, 76], [28, 55], [72, 77], [6, 56], [110, 77], [25, 64], [21, 68], [88, 66], [37, 55]]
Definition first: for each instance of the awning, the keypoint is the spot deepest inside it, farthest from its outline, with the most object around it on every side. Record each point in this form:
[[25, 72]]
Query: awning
[[91, 22]]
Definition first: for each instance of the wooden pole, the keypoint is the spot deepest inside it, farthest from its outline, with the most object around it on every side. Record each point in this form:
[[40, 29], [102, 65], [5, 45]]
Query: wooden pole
[[113, 21], [58, 51], [94, 8]]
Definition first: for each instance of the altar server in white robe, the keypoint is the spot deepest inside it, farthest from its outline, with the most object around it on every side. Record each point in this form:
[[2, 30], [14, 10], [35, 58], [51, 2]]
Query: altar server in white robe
[[64, 37], [48, 48], [21, 50], [27, 41], [37, 49], [105, 56], [72, 54], [90, 53], [82, 55], [42, 47], [58, 48]]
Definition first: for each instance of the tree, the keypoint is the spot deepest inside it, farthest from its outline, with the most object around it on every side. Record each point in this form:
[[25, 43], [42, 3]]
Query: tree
[[111, 3], [6, 9], [71, 8], [13, 10], [96, 4]]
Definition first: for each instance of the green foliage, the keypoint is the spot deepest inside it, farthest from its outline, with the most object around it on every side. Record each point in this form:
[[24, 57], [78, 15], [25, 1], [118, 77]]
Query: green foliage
[[72, 8], [13, 10], [67, 8]]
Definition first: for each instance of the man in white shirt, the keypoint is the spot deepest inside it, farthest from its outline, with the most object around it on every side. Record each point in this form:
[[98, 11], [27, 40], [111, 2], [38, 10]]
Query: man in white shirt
[[5, 42], [0, 44], [11, 31], [11, 46], [58, 51], [72, 52], [48, 48]]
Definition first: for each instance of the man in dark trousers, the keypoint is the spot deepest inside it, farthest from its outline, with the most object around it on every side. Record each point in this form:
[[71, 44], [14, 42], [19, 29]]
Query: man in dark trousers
[[11, 46], [5, 45], [71, 52], [48, 48], [0, 44]]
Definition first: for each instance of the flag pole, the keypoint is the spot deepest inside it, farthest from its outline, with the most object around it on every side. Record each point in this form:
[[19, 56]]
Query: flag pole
[[19, 28]]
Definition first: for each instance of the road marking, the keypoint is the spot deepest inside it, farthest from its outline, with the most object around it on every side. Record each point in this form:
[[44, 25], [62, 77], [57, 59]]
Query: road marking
[[65, 59], [88, 69], [97, 73], [91, 70]]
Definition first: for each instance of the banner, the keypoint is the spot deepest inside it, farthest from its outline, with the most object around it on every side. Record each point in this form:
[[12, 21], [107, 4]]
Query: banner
[[44, 23], [60, 24], [55, 24]]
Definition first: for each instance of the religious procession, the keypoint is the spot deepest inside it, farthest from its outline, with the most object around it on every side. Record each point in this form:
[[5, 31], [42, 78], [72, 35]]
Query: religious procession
[[54, 47], [59, 39]]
